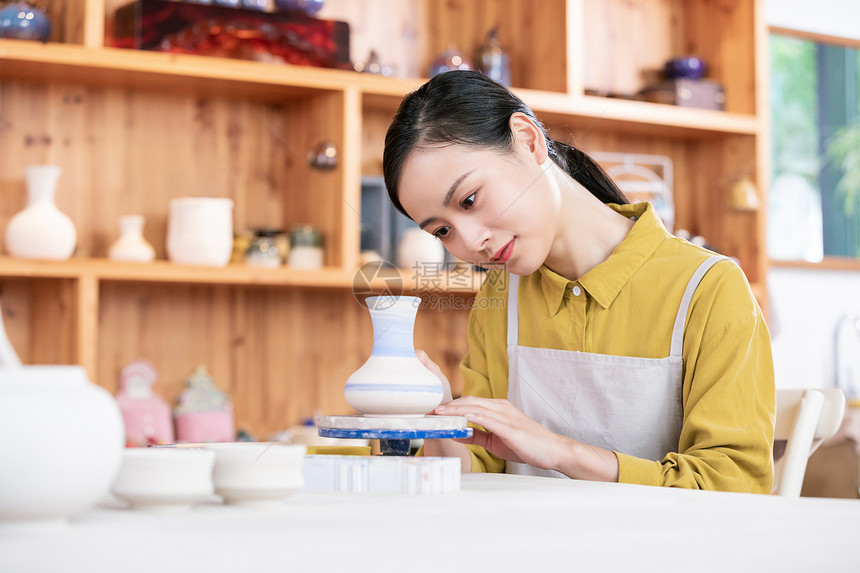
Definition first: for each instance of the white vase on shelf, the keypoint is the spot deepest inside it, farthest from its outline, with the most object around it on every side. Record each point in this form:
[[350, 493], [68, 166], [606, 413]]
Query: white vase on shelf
[[131, 245], [41, 231], [418, 249]]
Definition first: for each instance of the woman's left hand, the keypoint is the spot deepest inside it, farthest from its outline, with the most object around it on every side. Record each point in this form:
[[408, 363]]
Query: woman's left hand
[[509, 433]]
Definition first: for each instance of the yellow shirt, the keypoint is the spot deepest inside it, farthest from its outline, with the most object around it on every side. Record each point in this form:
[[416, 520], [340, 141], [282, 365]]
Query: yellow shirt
[[627, 307]]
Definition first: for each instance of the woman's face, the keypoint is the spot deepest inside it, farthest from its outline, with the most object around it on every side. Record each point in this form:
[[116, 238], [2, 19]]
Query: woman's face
[[487, 208]]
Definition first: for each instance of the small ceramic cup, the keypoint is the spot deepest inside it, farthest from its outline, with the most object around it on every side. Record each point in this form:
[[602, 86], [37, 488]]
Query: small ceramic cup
[[257, 473], [165, 479]]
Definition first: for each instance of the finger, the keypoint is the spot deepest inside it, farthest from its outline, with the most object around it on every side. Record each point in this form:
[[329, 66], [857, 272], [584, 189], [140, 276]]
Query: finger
[[434, 368], [492, 443], [429, 364], [467, 404]]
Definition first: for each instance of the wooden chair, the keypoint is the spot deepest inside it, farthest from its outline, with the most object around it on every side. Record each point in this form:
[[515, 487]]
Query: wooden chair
[[804, 418]]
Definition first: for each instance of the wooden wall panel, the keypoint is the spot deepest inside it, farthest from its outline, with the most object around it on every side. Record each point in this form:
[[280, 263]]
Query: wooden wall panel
[[389, 28], [374, 126], [128, 152], [38, 315], [282, 355], [734, 231], [67, 21], [723, 31]]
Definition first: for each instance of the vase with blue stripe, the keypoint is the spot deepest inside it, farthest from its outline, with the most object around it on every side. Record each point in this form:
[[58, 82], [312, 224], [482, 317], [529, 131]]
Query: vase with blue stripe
[[393, 382]]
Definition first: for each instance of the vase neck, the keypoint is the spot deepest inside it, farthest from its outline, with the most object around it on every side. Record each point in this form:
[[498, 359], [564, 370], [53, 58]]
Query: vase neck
[[131, 226], [393, 328], [40, 195], [41, 183]]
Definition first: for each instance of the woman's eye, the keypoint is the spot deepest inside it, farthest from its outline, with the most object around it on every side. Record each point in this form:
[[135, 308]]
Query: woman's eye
[[467, 202], [441, 232]]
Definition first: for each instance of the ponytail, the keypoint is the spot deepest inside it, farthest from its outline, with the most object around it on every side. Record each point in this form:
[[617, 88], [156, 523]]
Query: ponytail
[[585, 171]]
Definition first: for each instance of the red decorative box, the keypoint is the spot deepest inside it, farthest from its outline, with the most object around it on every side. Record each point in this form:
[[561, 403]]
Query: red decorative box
[[180, 27]]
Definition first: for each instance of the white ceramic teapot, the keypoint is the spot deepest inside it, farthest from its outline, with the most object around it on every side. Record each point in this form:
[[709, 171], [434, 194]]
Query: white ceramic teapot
[[61, 441]]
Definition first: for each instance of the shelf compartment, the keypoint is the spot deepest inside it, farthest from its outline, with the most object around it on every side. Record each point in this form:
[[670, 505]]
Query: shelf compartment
[[280, 355], [628, 41], [130, 152], [532, 33]]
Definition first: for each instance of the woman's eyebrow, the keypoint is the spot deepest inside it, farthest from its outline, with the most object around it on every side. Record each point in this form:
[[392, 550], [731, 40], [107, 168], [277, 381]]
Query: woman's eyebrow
[[448, 196], [453, 188]]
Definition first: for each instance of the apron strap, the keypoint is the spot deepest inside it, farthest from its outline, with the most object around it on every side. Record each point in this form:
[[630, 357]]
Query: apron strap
[[677, 347], [513, 314]]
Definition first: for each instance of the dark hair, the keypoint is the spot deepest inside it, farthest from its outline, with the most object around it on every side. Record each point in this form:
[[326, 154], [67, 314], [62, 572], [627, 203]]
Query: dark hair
[[467, 108]]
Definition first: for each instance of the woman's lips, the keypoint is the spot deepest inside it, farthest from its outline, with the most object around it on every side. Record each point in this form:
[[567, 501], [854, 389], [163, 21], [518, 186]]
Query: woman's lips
[[504, 253]]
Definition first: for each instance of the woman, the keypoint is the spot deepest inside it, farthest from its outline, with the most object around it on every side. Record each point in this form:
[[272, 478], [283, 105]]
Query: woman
[[577, 365]]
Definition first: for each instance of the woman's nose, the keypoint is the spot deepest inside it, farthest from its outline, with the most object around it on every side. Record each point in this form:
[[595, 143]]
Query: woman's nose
[[476, 238]]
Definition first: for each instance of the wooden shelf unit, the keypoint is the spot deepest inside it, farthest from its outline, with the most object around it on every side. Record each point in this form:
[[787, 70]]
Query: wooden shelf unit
[[133, 129]]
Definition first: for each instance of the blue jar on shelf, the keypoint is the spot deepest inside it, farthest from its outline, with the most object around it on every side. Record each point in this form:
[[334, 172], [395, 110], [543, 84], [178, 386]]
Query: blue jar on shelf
[[23, 21], [306, 7], [255, 4]]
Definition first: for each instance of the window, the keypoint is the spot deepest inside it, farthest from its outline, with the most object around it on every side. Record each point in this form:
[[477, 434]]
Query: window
[[814, 200]]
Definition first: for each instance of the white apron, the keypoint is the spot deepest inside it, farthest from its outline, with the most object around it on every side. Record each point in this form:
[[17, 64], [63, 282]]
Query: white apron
[[622, 403]]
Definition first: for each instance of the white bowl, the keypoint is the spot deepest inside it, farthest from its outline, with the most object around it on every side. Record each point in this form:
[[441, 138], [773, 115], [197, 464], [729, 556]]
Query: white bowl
[[257, 473], [164, 479]]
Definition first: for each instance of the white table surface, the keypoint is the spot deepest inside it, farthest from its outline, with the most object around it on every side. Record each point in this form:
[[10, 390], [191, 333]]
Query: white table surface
[[496, 523]]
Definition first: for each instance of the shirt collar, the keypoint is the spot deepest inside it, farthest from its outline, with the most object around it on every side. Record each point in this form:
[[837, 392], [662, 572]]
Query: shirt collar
[[605, 281]]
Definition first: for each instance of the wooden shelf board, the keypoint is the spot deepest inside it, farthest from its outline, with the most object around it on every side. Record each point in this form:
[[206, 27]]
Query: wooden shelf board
[[166, 272], [175, 72], [828, 263], [601, 113], [637, 116], [202, 74], [161, 271]]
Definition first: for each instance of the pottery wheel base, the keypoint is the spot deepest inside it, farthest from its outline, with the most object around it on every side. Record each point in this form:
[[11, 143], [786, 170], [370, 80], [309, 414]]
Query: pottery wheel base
[[393, 433]]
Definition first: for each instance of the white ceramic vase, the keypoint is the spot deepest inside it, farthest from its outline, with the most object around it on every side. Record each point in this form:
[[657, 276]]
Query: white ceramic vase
[[131, 245], [61, 441], [418, 248], [393, 382], [200, 231], [41, 231]]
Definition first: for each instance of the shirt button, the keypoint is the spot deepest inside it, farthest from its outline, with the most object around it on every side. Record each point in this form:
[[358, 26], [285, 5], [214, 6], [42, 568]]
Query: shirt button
[[576, 291]]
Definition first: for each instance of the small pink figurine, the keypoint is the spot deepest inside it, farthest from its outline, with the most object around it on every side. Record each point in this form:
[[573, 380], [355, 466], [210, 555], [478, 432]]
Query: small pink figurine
[[146, 415], [204, 413]]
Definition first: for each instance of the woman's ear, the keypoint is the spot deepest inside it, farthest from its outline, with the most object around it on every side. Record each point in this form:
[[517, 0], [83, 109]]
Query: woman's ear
[[528, 137]]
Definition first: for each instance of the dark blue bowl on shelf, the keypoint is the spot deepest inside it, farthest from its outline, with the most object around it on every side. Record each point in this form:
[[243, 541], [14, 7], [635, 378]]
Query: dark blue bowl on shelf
[[24, 22], [689, 67]]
